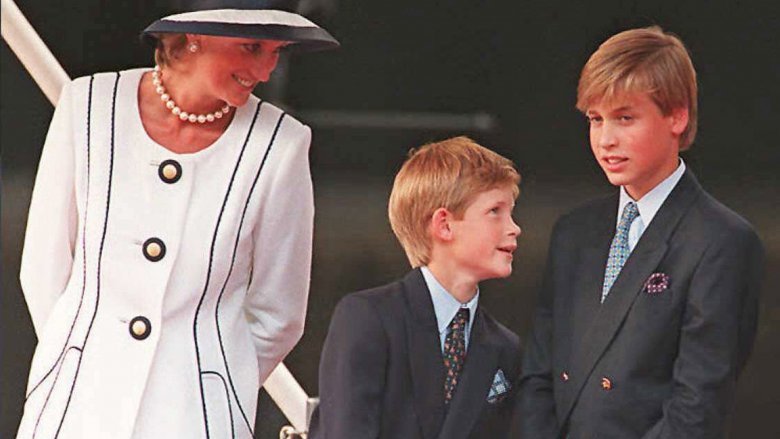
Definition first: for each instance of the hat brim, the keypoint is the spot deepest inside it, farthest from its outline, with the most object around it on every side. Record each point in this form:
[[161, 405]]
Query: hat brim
[[262, 25]]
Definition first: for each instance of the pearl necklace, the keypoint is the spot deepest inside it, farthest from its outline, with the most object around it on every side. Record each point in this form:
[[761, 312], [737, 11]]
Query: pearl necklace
[[183, 115]]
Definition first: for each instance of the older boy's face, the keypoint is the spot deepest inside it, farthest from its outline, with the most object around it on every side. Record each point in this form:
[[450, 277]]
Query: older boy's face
[[486, 237], [634, 143]]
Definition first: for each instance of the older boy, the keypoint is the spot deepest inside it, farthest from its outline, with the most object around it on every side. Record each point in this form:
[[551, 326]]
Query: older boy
[[648, 307], [418, 358]]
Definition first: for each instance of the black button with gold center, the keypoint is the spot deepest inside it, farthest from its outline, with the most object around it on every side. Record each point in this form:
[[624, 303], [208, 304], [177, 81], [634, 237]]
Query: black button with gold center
[[169, 171], [154, 249], [140, 327]]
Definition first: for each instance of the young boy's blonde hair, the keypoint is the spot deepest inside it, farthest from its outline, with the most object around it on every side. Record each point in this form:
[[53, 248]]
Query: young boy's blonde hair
[[646, 60], [447, 174]]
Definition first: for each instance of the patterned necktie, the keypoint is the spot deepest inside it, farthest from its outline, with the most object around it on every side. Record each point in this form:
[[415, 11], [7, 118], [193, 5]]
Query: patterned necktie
[[454, 351], [619, 250]]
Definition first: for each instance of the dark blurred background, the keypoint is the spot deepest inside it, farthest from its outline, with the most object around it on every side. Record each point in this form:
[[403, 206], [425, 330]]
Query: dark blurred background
[[409, 72]]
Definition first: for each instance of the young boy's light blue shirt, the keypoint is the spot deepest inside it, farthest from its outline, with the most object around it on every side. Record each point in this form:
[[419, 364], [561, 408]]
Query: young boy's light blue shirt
[[649, 204], [445, 306]]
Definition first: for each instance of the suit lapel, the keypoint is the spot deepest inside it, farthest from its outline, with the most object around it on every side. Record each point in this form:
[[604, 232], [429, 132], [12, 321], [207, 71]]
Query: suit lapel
[[645, 258], [426, 362], [590, 275], [475, 381]]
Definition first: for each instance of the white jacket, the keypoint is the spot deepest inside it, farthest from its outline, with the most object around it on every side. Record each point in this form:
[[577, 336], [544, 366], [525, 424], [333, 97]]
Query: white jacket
[[172, 339]]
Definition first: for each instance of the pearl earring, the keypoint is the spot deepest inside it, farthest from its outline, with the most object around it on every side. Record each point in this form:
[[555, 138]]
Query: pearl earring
[[193, 46]]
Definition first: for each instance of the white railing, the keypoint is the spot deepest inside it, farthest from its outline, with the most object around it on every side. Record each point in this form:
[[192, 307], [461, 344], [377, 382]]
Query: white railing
[[51, 77]]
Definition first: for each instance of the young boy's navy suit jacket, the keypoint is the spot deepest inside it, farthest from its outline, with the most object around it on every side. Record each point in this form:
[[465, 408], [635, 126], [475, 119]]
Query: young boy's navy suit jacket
[[382, 371], [660, 357]]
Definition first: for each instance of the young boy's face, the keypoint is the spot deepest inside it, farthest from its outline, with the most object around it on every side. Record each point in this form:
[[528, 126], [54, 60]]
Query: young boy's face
[[485, 238], [634, 143]]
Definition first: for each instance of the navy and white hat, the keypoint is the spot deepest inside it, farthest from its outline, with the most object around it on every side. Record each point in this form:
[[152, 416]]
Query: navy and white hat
[[259, 19]]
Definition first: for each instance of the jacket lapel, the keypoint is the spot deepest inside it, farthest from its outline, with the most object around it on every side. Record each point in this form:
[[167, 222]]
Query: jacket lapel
[[426, 362], [640, 265], [590, 275], [474, 385]]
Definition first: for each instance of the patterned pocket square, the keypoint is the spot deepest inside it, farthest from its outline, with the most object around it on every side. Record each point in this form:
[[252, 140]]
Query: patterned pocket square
[[499, 388], [657, 283]]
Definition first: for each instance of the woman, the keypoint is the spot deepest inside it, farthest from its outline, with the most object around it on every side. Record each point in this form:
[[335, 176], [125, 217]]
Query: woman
[[167, 255]]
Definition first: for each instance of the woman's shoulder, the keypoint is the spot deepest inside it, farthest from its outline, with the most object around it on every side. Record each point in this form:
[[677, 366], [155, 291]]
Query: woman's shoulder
[[108, 77], [288, 123]]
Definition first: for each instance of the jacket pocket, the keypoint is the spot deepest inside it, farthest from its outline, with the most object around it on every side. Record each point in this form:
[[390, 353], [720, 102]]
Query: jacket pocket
[[44, 409], [219, 411]]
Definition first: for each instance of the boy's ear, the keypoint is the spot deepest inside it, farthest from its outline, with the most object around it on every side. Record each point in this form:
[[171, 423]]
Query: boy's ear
[[440, 224], [679, 120]]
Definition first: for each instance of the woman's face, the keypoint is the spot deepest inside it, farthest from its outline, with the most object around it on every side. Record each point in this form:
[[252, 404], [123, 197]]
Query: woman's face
[[230, 68]]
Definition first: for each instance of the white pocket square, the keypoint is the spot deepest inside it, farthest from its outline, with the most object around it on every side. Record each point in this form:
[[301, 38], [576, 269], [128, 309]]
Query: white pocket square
[[499, 388]]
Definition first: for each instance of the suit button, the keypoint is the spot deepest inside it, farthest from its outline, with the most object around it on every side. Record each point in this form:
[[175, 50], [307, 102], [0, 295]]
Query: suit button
[[140, 327], [154, 249], [606, 384], [169, 171], [564, 376]]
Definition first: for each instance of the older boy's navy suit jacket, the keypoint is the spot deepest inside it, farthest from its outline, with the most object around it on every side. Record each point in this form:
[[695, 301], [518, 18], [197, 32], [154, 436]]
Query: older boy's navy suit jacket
[[382, 372], [650, 362]]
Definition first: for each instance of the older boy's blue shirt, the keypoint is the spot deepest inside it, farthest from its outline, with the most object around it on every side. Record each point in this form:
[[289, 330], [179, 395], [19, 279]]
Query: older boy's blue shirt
[[649, 204], [445, 306]]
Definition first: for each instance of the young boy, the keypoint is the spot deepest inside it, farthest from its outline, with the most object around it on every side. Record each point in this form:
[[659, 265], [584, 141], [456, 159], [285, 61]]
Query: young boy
[[419, 358], [648, 308]]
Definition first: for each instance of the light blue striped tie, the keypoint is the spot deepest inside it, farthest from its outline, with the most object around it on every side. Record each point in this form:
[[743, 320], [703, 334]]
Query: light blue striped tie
[[619, 250]]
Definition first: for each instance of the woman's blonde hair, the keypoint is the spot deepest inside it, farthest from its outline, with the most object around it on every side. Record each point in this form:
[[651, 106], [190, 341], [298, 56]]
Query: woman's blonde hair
[[447, 174], [646, 60], [168, 47]]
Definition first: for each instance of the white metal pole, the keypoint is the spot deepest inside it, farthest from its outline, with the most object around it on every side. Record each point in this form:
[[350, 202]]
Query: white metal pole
[[32, 52], [284, 389], [51, 77]]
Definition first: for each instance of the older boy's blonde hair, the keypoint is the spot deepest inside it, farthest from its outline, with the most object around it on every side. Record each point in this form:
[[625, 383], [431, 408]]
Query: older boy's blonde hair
[[644, 60], [447, 174]]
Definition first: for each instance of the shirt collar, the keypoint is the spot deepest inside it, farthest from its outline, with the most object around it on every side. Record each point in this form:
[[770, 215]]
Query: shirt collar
[[649, 204], [445, 305]]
